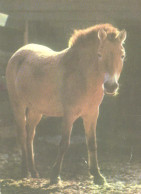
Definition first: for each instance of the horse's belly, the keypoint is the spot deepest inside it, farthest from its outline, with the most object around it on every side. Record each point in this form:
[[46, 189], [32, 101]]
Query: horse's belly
[[49, 105], [52, 107]]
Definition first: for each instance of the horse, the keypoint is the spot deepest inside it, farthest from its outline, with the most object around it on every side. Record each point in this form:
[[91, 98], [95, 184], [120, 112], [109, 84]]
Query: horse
[[68, 84]]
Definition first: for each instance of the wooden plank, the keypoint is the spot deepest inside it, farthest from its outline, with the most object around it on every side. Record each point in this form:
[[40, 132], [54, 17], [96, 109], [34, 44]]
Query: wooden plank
[[100, 16], [70, 5], [87, 11]]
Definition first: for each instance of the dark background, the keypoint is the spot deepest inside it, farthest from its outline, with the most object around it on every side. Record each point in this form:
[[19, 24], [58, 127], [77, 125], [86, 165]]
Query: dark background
[[51, 23]]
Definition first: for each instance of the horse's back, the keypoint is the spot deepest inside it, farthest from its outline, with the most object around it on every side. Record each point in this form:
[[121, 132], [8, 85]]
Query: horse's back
[[30, 52], [37, 49]]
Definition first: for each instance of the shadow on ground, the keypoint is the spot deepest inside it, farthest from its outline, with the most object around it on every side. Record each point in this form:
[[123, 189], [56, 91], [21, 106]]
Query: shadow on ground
[[122, 173]]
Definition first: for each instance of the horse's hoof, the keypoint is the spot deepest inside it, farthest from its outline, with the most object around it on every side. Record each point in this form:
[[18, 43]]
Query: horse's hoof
[[99, 180], [25, 175], [54, 180], [35, 174]]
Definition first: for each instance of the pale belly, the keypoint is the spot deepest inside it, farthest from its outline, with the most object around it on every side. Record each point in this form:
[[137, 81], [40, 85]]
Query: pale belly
[[45, 105]]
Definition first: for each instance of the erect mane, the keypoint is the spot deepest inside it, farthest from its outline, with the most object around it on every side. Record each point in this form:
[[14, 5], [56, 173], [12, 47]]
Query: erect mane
[[91, 32]]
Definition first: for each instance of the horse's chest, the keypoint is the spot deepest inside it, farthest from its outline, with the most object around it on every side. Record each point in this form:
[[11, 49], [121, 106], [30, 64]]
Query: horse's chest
[[93, 98]]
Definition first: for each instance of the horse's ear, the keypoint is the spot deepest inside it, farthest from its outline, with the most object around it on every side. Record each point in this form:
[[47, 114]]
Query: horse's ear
[[122, 36], [102, 34]]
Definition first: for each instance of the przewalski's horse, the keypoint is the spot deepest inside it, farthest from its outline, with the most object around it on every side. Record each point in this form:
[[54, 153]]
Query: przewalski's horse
[[70, 84]]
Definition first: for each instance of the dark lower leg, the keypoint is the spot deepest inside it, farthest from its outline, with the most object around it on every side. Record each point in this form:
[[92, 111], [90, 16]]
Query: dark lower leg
[[90, 131], [64, 144], [32, 119], [31, 162], [24, 163], [93, 163], [24, 166]]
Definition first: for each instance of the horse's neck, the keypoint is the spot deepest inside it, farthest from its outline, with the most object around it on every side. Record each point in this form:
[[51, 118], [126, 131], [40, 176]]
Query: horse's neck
[[87, 64], [83, 62]]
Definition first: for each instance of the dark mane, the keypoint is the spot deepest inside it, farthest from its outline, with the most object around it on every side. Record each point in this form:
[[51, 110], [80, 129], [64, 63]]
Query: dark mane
[[91, 32]]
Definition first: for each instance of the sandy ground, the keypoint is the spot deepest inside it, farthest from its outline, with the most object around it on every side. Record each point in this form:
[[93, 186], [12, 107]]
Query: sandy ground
[[121, 167], [123, 174]]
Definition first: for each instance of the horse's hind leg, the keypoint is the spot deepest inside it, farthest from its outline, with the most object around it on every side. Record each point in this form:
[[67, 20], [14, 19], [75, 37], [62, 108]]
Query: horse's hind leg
[[32, 120], [19, 113], [67, 124]]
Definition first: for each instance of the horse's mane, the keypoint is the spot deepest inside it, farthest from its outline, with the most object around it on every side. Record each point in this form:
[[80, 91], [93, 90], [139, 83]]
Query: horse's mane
[[91, 33]]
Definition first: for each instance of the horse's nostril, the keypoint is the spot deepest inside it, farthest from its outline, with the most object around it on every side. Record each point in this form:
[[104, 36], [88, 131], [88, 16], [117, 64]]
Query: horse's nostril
[[115, 86], [110, 88], [106, 84]]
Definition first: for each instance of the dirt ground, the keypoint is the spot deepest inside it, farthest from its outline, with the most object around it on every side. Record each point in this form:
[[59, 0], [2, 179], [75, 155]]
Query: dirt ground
[[123, 174], [119, 164]]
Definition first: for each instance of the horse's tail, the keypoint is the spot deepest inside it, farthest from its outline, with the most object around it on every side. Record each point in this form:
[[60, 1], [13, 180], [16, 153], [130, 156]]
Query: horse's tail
[[13, 66], [15, 62]]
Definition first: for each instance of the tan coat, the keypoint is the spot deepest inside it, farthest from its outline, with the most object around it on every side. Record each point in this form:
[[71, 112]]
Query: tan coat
[[68, 84]]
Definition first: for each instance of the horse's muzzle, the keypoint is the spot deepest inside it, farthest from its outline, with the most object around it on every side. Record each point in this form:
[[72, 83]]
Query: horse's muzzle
[[111, 89]]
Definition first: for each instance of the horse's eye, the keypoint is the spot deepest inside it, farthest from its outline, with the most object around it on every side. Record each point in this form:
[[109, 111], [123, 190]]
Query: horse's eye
[[99, 55]]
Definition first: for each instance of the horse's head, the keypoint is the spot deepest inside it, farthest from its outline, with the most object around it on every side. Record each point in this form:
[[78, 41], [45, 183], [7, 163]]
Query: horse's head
[[110, 56]]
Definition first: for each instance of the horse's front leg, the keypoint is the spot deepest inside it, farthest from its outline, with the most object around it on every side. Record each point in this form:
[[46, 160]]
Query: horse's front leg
[[90, 132], [67, 124]]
